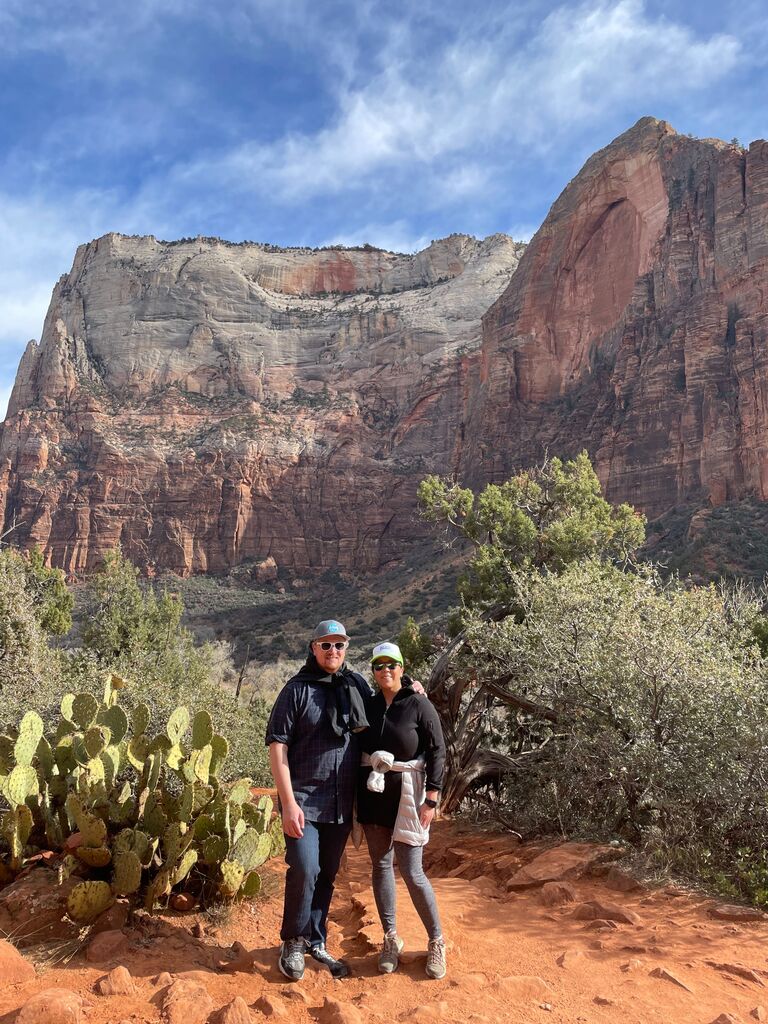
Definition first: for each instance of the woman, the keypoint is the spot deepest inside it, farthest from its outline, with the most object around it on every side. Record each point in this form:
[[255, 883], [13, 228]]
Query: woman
[[400, 780]]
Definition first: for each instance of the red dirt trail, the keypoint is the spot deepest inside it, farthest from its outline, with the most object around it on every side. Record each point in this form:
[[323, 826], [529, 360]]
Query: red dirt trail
[[511, 958]]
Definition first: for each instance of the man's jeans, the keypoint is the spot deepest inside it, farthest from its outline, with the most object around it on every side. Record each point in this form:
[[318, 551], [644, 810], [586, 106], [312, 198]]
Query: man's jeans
[[312, 862]]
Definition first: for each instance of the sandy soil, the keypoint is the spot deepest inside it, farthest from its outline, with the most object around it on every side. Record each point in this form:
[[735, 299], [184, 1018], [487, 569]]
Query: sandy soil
[[511, 956]]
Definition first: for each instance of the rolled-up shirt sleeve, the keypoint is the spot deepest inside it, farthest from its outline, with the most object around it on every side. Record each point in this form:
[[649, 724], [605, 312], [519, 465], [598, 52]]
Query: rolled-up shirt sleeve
[[282, 720], [431, 740]]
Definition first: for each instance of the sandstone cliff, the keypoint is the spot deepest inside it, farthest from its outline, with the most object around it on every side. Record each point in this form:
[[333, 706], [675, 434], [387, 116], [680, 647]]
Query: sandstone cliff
[[203, 403], [635, 326]]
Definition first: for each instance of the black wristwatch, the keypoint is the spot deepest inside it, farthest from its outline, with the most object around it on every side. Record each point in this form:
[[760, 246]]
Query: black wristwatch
[[430, 803]]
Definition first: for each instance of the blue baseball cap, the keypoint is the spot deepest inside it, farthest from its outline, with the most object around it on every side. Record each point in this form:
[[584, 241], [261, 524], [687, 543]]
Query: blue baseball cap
[[329, 627]]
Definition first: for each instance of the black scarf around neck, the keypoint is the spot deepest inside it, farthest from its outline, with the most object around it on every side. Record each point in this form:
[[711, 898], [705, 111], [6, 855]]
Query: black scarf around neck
[[346, 709]]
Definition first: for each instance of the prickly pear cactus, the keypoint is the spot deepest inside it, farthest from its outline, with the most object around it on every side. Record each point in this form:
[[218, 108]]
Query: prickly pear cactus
[[30, 734]]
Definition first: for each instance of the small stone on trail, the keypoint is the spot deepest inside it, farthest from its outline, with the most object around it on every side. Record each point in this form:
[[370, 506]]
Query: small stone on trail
[[334, 1012], [117, 983], [569, 958], [163, 979], [738, 970], [569, 860], [632, 965], [52, 1006], [183, 901], [187, 1002], [759, 1013], [296, 994], [271, 1006], [197, 930], [236, 1012], [554, 894], [726, 1018], [601, 925], [608, 911], [621, 881], [665, 975], [736, 913], [105, 946], [13, 966], [603, 1001]]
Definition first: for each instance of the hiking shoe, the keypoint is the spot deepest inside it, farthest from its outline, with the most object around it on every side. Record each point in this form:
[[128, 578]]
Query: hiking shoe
[[436, 959], [338, 968], [291, 962], [389, 957]]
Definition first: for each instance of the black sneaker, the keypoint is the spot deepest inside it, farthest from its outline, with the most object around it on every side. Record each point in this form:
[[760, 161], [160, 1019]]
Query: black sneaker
[[291, 962], [338, 968]]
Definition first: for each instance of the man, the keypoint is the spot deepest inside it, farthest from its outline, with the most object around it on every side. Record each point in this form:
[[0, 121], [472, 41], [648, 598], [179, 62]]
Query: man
[[314, 757]]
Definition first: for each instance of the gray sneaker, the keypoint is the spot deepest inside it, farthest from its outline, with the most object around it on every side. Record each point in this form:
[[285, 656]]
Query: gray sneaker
[[389, 957], [436, 959], [291, 962]]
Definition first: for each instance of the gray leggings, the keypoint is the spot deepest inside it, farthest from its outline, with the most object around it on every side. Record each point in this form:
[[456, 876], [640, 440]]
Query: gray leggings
[[381, 848]]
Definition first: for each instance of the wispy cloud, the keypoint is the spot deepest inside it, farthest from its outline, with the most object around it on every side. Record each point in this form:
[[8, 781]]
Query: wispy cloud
[[480, 93]]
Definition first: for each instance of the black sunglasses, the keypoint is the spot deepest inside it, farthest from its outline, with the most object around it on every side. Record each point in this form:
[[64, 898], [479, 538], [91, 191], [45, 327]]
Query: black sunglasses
[[381, 665], [326, 645]]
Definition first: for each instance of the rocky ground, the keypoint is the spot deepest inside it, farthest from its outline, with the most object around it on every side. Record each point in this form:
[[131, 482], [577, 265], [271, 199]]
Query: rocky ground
[[535, 934]]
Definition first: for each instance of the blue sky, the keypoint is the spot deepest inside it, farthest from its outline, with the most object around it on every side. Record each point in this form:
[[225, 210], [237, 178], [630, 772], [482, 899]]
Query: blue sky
[[320, 121]]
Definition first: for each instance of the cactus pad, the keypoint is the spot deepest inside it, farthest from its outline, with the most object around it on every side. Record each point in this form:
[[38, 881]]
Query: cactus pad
[[20, 784], [84, 708], [202, 730], [277, 837], [140, 717], [214, 849], [251, 886], [96, 740], [232, 875], [185, 865], [127, 877], [220, 749], [30, 734], [252, 849], [138, 751], [240, 791], [115, 720], [178, 724], [89, 899], [67, 707], [94, 856]]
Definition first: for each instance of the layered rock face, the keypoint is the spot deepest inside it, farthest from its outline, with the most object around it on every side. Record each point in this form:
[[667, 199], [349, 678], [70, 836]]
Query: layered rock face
[[635, 326], [202, 403]]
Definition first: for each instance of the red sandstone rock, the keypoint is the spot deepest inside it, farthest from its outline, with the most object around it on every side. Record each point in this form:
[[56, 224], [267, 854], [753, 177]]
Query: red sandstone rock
[[33, 908], [554, 894], [334, 1012], [736, 913], [271, 1006], [117, 983], [666, 975], [187, 1002], [570, 860], [52, 1006], [105, 946], [597, 910], [13, 967], [236, 1012]]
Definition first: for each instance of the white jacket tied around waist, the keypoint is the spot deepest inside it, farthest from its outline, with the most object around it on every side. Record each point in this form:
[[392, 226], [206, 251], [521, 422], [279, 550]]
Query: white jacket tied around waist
[[408, 828]]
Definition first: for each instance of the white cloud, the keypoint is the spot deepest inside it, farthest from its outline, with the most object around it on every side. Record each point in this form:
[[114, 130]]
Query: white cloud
[[479, 94], [396, 237]]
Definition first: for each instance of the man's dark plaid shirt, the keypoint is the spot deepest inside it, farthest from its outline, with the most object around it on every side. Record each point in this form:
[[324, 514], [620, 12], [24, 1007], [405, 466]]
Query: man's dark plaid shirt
[[323, 766]]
